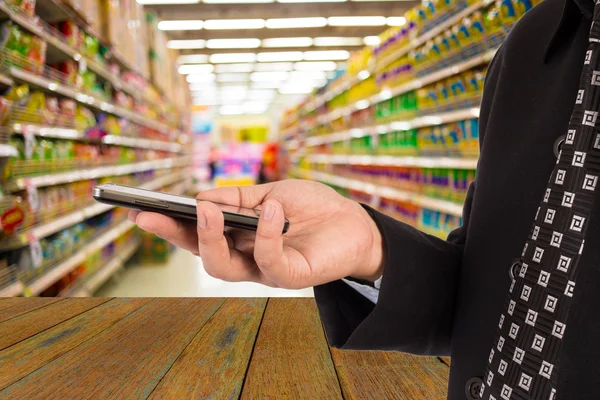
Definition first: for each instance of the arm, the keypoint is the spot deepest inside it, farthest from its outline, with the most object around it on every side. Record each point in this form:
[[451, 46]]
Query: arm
[[415, 306]]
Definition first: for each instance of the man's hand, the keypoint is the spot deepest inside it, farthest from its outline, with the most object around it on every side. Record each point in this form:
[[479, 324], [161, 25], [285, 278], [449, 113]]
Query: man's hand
[[330, 237]]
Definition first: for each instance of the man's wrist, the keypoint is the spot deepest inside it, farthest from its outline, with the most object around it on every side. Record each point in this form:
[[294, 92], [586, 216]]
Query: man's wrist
[[375, 263]]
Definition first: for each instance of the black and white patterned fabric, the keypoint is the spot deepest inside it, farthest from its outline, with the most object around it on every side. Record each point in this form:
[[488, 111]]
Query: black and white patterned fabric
[[523, 360]]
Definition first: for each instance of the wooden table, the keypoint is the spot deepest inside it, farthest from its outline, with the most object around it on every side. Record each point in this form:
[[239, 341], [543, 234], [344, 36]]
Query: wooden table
[[193, 348]]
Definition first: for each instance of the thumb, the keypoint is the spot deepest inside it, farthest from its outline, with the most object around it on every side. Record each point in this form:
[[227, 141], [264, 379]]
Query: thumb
[[268, 247]]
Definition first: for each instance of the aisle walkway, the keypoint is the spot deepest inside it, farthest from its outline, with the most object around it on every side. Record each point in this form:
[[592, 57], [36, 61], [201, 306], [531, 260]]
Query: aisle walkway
[[183, 276]]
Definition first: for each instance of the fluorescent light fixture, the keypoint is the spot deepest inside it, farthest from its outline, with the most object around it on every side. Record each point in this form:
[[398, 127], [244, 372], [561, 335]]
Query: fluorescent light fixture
[[337, 41], [280, 66], [205, 88], [395, 21], [364, 74], [186, 44], [261, 94], [166, 2], [237, 1], [226, 58], [190, 25], [198, 78], [232, 77], [234, 68], [217, 24], [231, 110], [232, 43], [269, 76], [192, 59], [286, 23], [195, 69], [315, 66], [254, 107], [326, 55], [356, 21], [267, 85], [307, 75], [295, 89], [280, 56], [288, 42], [372, 41], [311, 1]]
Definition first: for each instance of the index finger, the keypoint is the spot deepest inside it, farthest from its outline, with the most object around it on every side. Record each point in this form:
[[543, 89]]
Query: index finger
[[242, 196]]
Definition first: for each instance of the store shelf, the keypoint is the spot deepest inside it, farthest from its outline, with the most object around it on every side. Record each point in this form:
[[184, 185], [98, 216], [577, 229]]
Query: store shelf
[[418, 122], [93, 173], [74, 134], [5, 80], [432, 33], [444, 206], [7, 150], [54, 86], [416, 162], [97, 279], [12, 290], [68, 265], [46, 229]]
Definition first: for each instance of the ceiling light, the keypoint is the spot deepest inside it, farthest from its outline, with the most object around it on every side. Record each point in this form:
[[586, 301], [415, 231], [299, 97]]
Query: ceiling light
[[295, 89], [288, 42], [226, 58], [307, 75], [337, 41], [231, 110], [215, 24], [356, 21], [372, 41], [192, 59], [280, 56], [286, 23], [197, 78], [326, 55], [233, 91], [232, 77], [237, 1], [192, 25], [252, 107], [311, 1], [186, 44], [195, 69], [395, 21], [234, 68], [281, 66], [166, 2], [203, 87], [267, 85], [316, 66], [232, 43], [261, 94], [269, 76]]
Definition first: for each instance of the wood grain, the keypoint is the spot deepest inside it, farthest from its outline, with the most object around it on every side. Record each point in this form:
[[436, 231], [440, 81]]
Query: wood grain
[[25, 357], [291, 358], [446, 360], [124, 361], [15, 306], [213, 366], [390, 375], [26, 325]]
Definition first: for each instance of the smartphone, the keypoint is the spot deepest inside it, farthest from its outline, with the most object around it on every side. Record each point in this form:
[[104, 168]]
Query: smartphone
[[175, 206]]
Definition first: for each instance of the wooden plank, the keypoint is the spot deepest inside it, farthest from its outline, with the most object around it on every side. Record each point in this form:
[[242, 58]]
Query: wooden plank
[[26, 325], [291, 358], [213, 366], [125, 361], [390, 375], [445, 360], [15, 306], [25, 357]]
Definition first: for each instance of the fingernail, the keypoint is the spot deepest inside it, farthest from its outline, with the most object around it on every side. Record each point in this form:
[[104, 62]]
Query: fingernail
[[201, 220], [269, 211]]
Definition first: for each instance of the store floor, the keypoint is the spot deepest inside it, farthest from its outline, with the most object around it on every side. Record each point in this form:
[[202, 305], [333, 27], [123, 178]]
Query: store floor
[[184, 276]]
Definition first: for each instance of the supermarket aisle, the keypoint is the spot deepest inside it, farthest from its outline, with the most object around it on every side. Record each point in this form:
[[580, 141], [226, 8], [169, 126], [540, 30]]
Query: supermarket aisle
[[183, 276]]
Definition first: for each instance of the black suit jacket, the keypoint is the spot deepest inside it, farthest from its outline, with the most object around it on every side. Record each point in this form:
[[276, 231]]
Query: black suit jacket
[[445, 297]]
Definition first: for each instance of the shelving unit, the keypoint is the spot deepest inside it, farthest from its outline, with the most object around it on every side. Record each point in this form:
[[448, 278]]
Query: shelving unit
[[409, 162]]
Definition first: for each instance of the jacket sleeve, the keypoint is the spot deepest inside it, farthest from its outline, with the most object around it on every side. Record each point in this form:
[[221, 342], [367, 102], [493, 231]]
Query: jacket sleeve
[[415, 309]]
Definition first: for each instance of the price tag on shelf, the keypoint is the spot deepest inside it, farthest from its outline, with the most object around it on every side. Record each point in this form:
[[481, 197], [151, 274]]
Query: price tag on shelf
[[35, 247], [29, 142], [33, 197]]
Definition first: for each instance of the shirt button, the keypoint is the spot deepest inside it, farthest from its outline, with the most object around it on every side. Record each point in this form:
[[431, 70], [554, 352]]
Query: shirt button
[[558, 144], [473, 388], [514, 269]]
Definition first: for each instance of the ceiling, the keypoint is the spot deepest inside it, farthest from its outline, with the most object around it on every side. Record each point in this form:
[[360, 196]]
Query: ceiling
[[259, 56]]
